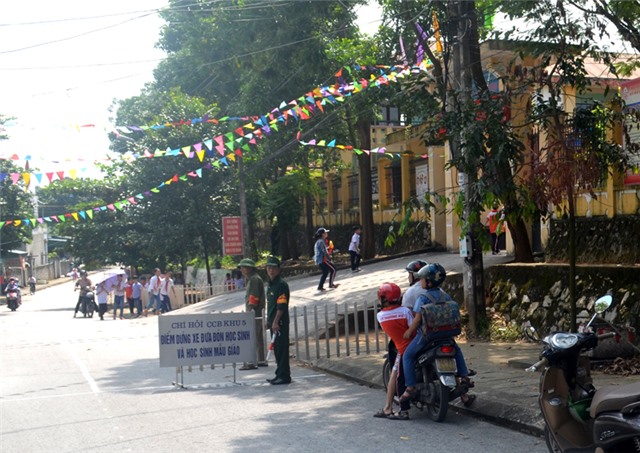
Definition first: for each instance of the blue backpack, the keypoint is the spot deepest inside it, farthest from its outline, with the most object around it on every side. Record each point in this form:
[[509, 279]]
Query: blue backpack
[[440, 317]]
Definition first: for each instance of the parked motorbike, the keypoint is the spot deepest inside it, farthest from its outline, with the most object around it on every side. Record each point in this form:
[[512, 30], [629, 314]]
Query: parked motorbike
[[579, 418], [437, 381], [13, 300]]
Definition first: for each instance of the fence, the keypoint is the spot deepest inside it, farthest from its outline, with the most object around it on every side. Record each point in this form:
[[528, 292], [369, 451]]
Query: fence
[[345, 329], [190, 294]]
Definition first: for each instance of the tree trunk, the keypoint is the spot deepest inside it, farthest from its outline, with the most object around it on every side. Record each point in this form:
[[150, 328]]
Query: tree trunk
[[205, 252], [365, 207], [521, 243], [308, 228]]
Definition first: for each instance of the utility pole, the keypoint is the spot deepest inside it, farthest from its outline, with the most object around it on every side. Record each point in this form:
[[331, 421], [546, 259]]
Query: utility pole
[[473, 272], [244, 218]]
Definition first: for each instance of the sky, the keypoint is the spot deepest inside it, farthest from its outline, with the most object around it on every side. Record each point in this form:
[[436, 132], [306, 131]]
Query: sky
[[56, 73], [62, 64]]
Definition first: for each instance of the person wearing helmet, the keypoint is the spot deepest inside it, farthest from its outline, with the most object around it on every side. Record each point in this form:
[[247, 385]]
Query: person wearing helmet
[[14, 285], [411, 295], [394, 320], [431, 278], [254, 301], [84, 285]]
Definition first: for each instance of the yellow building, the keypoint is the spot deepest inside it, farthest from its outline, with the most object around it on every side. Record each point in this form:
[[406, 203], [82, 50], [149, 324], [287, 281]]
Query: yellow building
[[416, 168]]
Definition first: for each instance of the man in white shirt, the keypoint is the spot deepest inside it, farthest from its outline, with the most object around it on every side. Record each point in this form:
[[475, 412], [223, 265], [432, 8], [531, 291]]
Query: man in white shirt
[[154, 293], [166, 287], [118, 296]]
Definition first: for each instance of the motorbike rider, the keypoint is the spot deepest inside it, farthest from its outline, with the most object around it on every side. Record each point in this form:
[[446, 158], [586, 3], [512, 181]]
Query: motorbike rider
[[85, 285], [12, 286], [394, 320], [413, 292], [431, 277], [408, 300]]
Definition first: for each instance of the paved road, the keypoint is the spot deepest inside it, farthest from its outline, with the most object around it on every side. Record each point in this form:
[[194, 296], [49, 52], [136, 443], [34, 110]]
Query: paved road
[[71, 385]]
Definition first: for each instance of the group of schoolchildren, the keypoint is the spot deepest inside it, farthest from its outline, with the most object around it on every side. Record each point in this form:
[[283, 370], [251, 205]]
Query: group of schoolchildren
[[401, 319], [159, 288]]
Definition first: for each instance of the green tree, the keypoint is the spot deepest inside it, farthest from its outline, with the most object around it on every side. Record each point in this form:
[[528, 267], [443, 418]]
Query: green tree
[[249, 57], [183, 220]]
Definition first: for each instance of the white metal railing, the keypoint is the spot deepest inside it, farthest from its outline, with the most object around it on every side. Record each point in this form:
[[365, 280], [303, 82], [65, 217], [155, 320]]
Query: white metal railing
[[344, 329]]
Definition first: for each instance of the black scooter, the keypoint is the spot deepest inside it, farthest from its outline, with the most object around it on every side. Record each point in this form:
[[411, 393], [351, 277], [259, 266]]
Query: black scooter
[[13, 299], [437, 380]]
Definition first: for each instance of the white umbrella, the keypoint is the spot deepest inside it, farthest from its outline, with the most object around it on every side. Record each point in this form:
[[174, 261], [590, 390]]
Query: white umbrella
[[109, 278]]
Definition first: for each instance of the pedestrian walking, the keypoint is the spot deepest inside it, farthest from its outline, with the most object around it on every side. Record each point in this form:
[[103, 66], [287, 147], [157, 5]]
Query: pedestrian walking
[[495, 221], [136, 295], [154, 293], [127, 294], [118, 296], [354, 249], [323, 259], [278, 320], [32, 284], [103, 296], [238, 279], [165, 288], [229, 285], [84, 285], [254, 301]]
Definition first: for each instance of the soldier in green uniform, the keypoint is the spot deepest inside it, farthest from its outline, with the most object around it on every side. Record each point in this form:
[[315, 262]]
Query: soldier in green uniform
[[278, 320], [254, 301]]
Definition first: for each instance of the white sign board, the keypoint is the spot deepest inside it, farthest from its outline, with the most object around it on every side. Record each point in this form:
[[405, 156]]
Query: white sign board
[[422, 181], [205, 339]]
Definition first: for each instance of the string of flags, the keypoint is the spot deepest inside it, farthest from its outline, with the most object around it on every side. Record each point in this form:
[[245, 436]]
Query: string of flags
[[88, 214], [241, 139], [235, 142], [358, 151]]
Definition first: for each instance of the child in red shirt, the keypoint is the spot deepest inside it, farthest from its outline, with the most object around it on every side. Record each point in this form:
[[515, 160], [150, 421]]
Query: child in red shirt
[[394, 320]]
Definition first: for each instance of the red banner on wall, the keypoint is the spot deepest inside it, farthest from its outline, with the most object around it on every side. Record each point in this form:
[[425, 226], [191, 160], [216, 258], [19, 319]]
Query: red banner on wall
[[232, 236]]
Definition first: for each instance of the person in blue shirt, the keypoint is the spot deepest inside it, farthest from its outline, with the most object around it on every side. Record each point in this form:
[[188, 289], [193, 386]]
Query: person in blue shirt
[[431, 277], [136, 295]]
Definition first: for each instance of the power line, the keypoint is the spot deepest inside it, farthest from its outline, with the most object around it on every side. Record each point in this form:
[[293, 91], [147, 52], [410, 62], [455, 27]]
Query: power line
[[54, 41]]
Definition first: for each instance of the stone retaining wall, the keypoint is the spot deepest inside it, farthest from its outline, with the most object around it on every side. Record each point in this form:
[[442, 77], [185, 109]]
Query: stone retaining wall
[[540, 293]]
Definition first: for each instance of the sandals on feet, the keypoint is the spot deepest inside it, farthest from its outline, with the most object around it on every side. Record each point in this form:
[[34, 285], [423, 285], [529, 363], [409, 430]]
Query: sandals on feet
[[469, 401], [468, 382], [402, 415], [382, 414], [408, 395]]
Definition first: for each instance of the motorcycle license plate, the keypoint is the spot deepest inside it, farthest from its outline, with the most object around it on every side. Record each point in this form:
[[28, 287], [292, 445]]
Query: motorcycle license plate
[[446, 365]]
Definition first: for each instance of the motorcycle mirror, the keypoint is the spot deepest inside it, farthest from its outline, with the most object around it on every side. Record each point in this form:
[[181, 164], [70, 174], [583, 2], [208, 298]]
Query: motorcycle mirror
[[603, 303]]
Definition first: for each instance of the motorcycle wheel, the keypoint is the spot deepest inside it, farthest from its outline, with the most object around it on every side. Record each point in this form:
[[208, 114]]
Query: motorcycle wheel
[[91, 308], [84, 308], [437, 395], [386, 373], [552, 445]]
